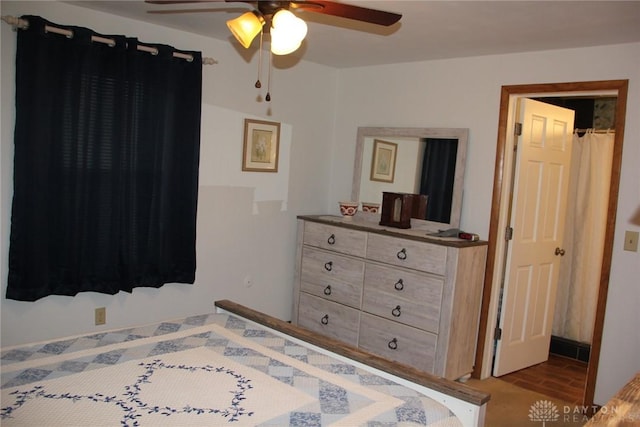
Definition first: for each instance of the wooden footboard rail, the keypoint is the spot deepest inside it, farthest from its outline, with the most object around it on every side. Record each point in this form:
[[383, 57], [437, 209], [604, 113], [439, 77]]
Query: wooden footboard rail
[[447, 387]]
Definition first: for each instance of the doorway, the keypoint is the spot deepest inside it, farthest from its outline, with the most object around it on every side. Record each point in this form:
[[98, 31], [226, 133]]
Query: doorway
[[499, 211]]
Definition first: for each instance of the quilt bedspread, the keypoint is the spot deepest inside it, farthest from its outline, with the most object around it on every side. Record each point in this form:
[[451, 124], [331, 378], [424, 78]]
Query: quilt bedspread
[[209, 370]]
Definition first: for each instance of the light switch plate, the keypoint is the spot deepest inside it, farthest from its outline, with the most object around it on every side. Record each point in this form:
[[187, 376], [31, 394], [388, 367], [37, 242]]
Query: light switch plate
[[101, 316], [631, 241]]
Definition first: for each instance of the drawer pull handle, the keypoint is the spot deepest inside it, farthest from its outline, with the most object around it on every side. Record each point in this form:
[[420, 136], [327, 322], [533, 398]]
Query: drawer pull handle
[[396, 311], [399, 285], [327, 290], [393, 344], [328, 265], [325, 319], [332, 239], [402, 255]]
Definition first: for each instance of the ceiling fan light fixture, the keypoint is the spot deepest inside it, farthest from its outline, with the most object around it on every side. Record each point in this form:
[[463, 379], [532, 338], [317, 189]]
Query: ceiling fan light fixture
[[287, 32], [282, 46], [246, 27]]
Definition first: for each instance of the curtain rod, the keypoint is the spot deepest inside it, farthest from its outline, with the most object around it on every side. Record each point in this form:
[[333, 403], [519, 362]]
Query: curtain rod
[[23, 24], [595, 130]]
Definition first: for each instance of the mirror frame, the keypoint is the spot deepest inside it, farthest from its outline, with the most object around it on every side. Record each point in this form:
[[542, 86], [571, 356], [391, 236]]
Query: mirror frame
[[461, 134]]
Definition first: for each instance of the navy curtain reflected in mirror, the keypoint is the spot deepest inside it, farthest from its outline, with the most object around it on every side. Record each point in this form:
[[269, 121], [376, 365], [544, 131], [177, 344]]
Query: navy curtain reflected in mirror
[[106, 165], [438, 176]]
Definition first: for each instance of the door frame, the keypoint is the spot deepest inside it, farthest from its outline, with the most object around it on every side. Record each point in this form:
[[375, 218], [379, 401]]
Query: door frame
[[501, 194]]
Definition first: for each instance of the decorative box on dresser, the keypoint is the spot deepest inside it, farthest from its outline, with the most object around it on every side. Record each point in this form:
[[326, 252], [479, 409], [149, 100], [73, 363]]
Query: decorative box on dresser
[[401, 294]]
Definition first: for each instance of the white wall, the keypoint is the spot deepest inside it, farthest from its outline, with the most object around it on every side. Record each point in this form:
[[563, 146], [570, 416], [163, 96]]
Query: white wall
[[246, 221], [233, 242], [466, 93]]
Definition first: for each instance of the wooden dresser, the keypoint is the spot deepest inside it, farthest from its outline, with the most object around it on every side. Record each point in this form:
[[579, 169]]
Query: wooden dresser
[[397, 293]]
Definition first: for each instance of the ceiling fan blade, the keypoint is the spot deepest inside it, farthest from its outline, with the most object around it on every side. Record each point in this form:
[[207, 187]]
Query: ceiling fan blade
[[181, 1], [176, 11], [357, 13]]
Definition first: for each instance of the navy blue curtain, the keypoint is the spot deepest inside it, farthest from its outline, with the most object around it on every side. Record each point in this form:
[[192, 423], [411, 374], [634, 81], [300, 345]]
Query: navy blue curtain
[[438, 176], [107, 142]]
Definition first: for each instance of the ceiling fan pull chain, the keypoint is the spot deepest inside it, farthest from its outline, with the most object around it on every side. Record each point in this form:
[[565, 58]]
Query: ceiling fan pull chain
[[258, 85], [268, 97]]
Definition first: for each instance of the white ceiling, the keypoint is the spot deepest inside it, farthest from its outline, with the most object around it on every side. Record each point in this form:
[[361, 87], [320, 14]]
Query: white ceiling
[[428, 29]]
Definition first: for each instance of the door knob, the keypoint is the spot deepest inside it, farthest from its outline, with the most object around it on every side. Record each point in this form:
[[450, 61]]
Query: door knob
[[559, 252]]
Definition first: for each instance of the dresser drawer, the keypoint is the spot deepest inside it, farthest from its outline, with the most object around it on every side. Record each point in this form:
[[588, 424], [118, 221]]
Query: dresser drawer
[[329, 318], [398, 342], [332, 276], [403, 296], [407, 253], [343, 240]]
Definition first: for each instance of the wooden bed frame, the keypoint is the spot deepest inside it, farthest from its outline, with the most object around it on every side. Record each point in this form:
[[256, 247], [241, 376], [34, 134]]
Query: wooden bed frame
[[467, 404]]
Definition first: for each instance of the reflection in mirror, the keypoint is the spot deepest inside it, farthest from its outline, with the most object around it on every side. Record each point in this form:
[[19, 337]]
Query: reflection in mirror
[[427, 161]]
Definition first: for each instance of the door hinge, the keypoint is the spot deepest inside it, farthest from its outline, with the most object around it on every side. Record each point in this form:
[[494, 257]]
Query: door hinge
[[497, 333], [508, 235], [517, 129]]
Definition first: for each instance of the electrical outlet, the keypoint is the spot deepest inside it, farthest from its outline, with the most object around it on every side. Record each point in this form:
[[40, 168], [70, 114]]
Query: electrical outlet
[[101, 316], [631, 241]]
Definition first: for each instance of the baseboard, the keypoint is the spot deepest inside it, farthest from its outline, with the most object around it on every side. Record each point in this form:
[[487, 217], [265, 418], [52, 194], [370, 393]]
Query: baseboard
[[569, 348]]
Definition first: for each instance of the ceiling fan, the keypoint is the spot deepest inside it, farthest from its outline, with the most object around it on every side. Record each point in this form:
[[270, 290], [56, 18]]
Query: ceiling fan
[[286, 30]]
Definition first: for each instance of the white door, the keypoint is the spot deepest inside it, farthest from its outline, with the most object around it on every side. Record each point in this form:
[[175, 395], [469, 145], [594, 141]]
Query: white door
[[537, 220]]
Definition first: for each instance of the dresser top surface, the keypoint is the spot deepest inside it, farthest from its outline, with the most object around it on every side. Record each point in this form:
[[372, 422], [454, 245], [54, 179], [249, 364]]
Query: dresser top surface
[[371, 226]]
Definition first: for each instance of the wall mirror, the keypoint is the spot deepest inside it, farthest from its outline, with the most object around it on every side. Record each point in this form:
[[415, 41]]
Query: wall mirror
[[427, 161]]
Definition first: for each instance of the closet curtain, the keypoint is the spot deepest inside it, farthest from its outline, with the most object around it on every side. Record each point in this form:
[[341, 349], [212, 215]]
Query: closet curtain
[[106, 165], [579, 275]]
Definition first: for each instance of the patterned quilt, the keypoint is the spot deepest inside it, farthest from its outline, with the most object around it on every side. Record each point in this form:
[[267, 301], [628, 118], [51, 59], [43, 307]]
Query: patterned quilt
[[208, 370]]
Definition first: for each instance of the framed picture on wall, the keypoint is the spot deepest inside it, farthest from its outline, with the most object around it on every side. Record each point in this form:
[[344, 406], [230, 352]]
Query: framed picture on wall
[[383, 161], [261, 146]]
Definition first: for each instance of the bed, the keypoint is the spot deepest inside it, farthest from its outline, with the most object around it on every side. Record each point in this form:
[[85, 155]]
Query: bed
[[235, 366]]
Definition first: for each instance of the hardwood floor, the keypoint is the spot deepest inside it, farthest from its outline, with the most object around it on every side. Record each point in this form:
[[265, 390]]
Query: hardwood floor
[[559, 377]]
